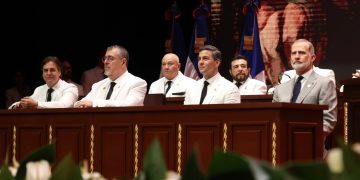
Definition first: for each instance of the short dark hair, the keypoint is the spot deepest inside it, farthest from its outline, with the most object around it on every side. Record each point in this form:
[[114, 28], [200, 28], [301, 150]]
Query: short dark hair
[[53, 59], [237, 57], [216, 53]]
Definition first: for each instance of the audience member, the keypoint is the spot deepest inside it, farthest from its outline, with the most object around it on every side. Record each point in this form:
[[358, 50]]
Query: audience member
[[91, 76], [356, 74], [212, 88], [307, 87], [120, 88], [174, 83], [239, 71], [67, 74], [56, 93], [19, 90]]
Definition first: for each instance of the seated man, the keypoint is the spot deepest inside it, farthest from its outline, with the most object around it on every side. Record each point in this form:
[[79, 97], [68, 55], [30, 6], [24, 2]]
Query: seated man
[[174, 83], [120, 88], [56, 93], [308, 87], [212, 88], [239, 71]]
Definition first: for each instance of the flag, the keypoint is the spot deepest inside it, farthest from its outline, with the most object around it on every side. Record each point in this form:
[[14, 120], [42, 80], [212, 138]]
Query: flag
[[199, 38], [250, 41], [175, 39]]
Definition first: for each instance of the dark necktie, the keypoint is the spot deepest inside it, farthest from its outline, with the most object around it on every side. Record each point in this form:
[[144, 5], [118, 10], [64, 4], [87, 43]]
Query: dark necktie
[[48, 95], [238, 84], [296, 89], [168, 86], [203, 92], [112, 84]]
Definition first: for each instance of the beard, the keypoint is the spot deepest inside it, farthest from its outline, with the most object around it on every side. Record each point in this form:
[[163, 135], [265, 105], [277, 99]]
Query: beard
[[240, 77], [300, 66]]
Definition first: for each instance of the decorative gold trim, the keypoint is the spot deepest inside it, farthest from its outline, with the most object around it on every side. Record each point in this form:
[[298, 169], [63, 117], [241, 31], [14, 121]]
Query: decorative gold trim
[[225, 137], [346, 135], [179, 150], [92, 137], [14, 146], [136, 149], [273, 144], [50, 134]]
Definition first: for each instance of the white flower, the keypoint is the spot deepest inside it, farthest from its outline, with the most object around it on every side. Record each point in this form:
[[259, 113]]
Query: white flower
[[171, 175], [39, 170], [13, 170], [335, 160], [92, 176], [356, 147]]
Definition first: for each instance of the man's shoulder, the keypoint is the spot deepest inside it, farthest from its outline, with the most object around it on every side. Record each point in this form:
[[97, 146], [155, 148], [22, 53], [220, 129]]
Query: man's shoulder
[[134, 79]]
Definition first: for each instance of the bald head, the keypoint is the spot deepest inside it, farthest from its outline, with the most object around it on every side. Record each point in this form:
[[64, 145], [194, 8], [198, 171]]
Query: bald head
[[170, 66]]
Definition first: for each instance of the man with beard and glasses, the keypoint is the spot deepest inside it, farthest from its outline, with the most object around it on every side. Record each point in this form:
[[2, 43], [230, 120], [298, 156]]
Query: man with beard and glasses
[[120, 88], [239, 71], [308, 87]]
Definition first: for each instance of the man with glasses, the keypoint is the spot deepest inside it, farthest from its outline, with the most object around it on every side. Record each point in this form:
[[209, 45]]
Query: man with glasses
[[120, 88], [174, 83]]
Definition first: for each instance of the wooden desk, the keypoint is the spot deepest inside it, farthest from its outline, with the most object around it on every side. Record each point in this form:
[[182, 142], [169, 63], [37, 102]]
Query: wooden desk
[[114, 140], [351, 109]]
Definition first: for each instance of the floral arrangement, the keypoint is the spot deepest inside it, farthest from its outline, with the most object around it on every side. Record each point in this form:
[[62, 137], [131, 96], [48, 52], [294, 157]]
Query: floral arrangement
[[37, 166], [342, 163]]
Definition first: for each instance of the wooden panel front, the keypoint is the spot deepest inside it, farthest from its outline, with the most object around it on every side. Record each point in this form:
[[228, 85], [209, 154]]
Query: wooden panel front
[[303, 141], [250, 138], [28, 138], [111, 141], [69, 139], [5, 141], [203, 139], [113, 151], [165, 133]]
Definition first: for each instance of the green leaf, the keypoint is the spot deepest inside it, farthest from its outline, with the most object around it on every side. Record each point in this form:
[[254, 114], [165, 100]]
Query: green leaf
[[5, 174], [192, 170], [229, 166], [46, 152], [154, 164], [310, 170], [67, 170]]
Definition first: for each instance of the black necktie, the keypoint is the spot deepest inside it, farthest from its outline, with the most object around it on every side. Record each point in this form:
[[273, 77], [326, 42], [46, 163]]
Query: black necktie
[[112, 84], [296, 89], [48, 95], [204, 91], [238, 84], [168, 86]]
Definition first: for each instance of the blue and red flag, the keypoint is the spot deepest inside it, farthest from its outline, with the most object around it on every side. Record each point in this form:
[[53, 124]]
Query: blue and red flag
[[250, 41], [199, 38]]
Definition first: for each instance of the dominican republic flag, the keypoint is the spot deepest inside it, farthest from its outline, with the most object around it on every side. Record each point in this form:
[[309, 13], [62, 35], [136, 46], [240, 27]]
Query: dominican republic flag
[[250, 41], [199, 38]]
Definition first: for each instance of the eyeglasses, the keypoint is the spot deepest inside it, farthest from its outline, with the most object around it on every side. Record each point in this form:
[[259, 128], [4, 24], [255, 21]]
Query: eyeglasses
[[108, 58]]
